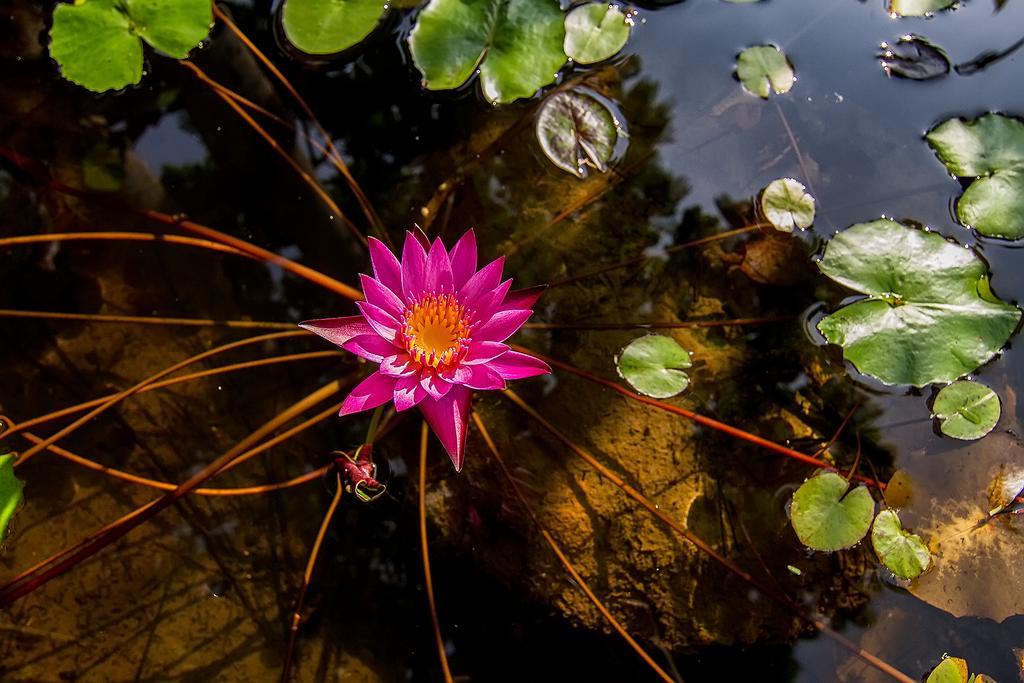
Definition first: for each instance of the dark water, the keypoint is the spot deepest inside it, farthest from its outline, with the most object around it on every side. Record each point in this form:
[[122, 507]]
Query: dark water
[[205, 591]]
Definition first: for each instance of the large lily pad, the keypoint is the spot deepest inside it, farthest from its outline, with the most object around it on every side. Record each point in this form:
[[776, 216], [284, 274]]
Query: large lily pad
[[594, 32], [990, 149], [966, 410], [10, 492], [827, 515], [902, 552], [321, 27], [929, 314], [654, 365], [516, 44], [763, 69], [577, 130], [98, 43], [918, 8], [786, 204]]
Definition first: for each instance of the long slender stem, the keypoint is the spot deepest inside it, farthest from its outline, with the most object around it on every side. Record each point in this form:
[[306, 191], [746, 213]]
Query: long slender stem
[[563, 558], [120, 237], [145, 320], [685, 324], [701, 545], [425, 549]]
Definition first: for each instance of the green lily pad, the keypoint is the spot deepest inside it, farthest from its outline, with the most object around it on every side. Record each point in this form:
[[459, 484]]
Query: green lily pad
[[949, 670], [516, 44], [576, 130], [323, 27], [990, 149], [917, 8], [763, 69], [594, 32], [929, 314], [827, 515], [10, 492], [966, 410], [98, 43], [787, 204], [902, 552], [654, 365]]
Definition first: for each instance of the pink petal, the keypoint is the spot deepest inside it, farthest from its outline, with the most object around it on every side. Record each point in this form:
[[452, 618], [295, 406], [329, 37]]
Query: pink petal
[[386, 267], [414, 266], [449, 418], [489, 304], [438, 273], [371, 346], [370, 393], [483, 351], [435, 386], [399, 365], [523, 298], [485, 280], [381, 322], [381, 296], [408, 392], [502, 326], [338, 330], [515, 365], [463, 258], [478, 377]]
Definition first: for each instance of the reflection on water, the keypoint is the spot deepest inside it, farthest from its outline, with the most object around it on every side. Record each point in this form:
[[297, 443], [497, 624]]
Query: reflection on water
[[205, 591]]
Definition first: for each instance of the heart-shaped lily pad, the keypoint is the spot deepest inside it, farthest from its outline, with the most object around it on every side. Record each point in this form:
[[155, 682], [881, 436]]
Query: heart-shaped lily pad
[[991, 150], [10, 492], [763, 69], [917, 8], [787, 204], [577, 130], [929, 314], [966, 410], [902, 552], [98, 43], [516, 45], [594, 32], [321, 27], [654, 365], [827, 515]]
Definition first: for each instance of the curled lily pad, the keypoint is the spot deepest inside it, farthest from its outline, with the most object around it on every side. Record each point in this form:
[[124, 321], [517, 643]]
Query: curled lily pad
[[577, 130], [594, 32], [991, 150], [10, 492], [949, 670], [320, 27], [966, 410], [902, 552], [654, 365], [915, 58], [98, 43], [787, 204], [917, 8], [517, 46], [929, 314], [827, 515], [763, 69]]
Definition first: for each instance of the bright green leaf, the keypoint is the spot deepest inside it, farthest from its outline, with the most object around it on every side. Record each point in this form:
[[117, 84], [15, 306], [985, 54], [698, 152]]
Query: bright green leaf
[[827, 515], [949, 670], [516, 44], [918, 8], [763, 69], [966, 410], [929, 314], [171, 26], [321, 27], [902, 552], [576, 130], [654, 365], [10, 492], [594, 32], [94, 45], [991, 149], [787, 204]]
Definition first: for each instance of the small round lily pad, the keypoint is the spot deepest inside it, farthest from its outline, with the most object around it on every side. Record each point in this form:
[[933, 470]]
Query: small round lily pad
[[763, 69], [321, 27], [949, 670], [787, 204], [594, 32], [966, 410], [902, 552], [654, 366], [827, 515], [577, 131]]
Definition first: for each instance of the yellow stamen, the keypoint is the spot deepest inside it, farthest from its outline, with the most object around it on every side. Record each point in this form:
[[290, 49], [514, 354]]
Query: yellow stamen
[[436, 329]]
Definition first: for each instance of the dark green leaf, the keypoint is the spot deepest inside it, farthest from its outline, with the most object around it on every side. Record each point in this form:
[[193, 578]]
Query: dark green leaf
[[577, 130], [828, 516]]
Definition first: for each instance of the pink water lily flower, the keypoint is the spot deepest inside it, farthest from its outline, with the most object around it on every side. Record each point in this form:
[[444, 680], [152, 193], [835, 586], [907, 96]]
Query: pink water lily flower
[[435, 325]]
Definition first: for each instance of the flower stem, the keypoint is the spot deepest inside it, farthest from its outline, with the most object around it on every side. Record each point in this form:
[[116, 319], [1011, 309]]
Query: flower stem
[[427, 581]]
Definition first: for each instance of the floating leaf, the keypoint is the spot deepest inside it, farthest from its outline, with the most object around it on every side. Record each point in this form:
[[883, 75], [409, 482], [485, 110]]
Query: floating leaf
[[827, 515], [10, 492], [786, 203], [990, 149], [516, 44], [966, 410], [97, 42], [902, 552], [929, 314], [949, 670], [654, 366], [577, 130], [594, 32], [763, 69], [322, 27], [917, 8], [915, 58]]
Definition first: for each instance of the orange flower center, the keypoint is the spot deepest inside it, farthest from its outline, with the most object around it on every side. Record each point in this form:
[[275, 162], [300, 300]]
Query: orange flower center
[[436, 329]]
